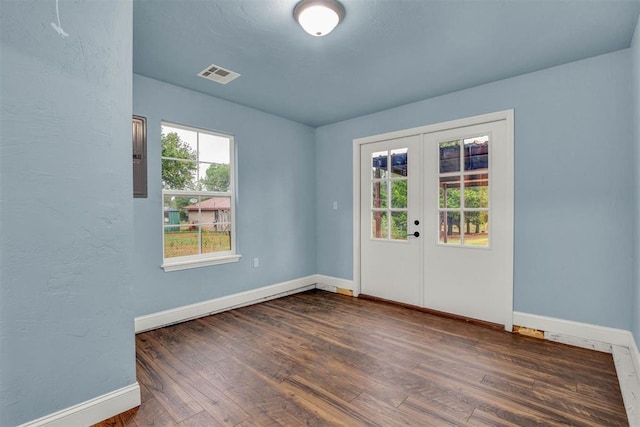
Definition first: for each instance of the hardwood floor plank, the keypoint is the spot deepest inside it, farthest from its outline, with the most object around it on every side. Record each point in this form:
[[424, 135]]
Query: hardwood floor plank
[[322, 359], [201, 419], [210, 398], [178, 403], [481, 418]]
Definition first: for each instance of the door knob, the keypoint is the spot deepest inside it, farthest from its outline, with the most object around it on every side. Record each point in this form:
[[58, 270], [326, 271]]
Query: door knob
[[414, 234]]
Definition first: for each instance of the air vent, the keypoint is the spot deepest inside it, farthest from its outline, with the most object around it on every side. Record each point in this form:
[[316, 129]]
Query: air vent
[[218, 74]]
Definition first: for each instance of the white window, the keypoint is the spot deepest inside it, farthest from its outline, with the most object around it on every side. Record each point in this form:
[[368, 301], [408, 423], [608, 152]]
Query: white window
[[198, 198]]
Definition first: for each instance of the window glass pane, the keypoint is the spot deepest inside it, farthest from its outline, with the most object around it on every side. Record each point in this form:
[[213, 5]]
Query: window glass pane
[[379, 164], [215, 177], [449, 232], [476, 153], [399, 163], [379, 195], [476, 231], [399, 225], [399, 194], [192, 210], [449, 156], [216, 239], [379, 225], [180, 237], [181, 243], [476, 191], [449, 192], [214, 149], [179, 174], [179, 159]]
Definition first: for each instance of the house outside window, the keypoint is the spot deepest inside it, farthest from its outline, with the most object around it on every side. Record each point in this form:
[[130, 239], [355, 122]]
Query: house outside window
[[198, 194]]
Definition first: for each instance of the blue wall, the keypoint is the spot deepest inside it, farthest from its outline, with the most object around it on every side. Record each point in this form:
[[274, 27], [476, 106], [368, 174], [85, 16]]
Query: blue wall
[[635, 90], [573, 184], [276, 199], [66, 217], [79, 258]]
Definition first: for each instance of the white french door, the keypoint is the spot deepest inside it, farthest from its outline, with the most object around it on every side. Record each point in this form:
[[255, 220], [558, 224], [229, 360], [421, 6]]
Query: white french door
[[451, 185], [390, 219]]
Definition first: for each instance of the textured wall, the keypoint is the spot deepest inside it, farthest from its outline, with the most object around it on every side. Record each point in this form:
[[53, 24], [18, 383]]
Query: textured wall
[[573, 184], [275, 207], [66, 210]]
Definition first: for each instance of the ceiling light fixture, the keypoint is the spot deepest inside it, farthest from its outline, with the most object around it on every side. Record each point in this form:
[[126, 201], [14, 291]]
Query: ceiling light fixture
[[318, 17]]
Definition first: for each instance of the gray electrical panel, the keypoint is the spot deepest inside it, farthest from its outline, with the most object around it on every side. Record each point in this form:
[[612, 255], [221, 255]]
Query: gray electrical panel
[[139, 157]]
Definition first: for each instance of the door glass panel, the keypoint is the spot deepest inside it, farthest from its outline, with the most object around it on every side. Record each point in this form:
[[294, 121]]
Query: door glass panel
[[379, 164], [399, 163], [464, 193], [476, 153], [476, 191], [379, 225], [399, 225], [449, 156], [476, 231], [399, 194], [389, 194], [449, 232], [379, 195], [450, 192]]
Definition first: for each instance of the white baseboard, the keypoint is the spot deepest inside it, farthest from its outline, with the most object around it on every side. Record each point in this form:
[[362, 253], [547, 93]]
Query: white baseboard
[[217, 305], [629, 382], [635, 355], [619, 342], [92, 411], [585, 335], [331, 284]]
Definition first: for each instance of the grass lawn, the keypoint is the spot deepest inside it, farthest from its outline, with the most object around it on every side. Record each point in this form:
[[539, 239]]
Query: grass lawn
[[182, 243], [479, 239]]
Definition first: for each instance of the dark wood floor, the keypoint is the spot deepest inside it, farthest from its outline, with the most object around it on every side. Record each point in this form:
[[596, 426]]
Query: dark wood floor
[[318, 358]]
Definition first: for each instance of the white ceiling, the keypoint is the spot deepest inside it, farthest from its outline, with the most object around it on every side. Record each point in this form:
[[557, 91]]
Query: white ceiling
[[385, 53]]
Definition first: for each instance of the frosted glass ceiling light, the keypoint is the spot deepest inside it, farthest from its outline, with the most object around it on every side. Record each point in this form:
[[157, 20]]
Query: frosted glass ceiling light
[[318, 17]]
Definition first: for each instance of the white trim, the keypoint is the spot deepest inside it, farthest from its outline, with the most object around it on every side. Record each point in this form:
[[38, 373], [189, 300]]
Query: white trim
[[92, 411], [217, 305], [508, 117], [331, 284], [574, 333], [357, 286], [200, 262], [509, 221], [635, 356], [619, 342], [629, 382], [437, 127]]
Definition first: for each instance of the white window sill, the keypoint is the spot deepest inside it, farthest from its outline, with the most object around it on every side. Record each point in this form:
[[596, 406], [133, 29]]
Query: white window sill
[[195, 263]]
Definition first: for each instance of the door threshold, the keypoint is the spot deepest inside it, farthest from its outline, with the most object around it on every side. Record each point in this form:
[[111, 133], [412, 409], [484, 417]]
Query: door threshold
[[438, 313]]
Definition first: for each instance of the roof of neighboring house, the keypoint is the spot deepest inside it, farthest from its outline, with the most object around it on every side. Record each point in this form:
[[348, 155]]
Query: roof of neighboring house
[[212, 204]]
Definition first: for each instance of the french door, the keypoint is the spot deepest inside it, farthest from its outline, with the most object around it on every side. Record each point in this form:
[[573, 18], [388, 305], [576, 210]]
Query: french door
[[390, 219], [436, 220]]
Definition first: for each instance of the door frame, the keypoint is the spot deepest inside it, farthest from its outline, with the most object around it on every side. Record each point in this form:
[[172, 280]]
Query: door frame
[[508, 117]]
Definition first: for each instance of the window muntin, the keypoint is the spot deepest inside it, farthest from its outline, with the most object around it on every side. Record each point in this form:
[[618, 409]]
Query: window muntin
[[198, 197], [463, 204]]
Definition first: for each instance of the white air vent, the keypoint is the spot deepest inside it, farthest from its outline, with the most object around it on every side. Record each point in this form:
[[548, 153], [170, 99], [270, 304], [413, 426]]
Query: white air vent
[[218, 74]]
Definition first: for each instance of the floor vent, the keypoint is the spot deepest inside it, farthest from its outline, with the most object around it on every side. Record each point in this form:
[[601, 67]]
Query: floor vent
[[218, 74]]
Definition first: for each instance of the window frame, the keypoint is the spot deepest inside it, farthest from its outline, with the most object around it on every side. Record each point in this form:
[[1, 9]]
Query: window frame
[[211, 258]]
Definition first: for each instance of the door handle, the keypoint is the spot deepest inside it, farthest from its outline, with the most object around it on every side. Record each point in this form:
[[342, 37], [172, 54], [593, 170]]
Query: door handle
[[414, 234]]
